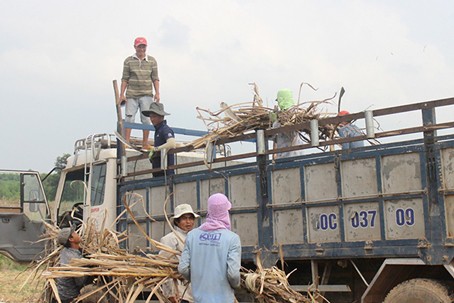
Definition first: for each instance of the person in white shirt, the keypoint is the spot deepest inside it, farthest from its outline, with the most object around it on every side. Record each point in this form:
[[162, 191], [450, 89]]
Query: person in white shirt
[[183, 221]]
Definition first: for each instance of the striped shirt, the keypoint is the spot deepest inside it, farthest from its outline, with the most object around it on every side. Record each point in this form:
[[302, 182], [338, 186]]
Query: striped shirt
[[140, 75]]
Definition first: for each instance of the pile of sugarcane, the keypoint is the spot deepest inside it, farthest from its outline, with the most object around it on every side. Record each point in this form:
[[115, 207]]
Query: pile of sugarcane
[[241, 118], [270, 285], [121, 277]]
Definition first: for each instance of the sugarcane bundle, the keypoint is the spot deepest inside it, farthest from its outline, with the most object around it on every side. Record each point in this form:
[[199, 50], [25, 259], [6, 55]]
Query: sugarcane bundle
[[270, 285], [234, 120], [119, 276]]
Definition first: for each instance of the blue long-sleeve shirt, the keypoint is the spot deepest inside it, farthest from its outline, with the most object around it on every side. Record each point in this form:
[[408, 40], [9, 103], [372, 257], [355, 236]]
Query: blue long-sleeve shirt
[[350, 131], [211, 260]]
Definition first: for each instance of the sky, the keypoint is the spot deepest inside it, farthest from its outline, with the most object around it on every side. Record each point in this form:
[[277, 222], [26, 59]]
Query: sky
[[58, 60]]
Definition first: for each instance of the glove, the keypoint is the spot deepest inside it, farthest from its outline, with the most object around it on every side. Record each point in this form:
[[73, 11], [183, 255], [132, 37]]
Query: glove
[[152, 152]]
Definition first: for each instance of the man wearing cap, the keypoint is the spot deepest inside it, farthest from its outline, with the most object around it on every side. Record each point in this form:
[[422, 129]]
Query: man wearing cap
[[69, 288], [140, 74], [183, 222], [347, 129], [164, 138], [291, 138], [211, 258]]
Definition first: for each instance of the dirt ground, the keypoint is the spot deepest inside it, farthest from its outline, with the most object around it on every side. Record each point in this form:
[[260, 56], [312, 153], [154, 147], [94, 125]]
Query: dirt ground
[[11, 291]]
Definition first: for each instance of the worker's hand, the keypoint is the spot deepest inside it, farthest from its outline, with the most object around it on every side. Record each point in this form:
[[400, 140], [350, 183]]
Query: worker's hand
[[157, 97], [272, 116], [152, 152], [173, 300], [122, 100]]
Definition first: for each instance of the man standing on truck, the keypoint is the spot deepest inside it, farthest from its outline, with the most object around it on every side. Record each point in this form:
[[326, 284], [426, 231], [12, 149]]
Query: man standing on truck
[[183, 222], [140, 74], [164, 138], [211, 258], [69, 288]]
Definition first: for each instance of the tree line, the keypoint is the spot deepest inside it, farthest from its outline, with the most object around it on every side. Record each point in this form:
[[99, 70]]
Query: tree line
[[9, 189]]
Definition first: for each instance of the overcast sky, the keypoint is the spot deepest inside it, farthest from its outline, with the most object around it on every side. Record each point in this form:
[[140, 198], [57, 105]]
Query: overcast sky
[[58, 60]]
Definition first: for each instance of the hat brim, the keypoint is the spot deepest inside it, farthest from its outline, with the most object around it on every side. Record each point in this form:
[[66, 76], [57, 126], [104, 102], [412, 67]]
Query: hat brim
[[62, 240], [149, 112], [192, 213]]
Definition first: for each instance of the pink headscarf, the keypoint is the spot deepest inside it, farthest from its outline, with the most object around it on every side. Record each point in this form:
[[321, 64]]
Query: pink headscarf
[[218, 213]]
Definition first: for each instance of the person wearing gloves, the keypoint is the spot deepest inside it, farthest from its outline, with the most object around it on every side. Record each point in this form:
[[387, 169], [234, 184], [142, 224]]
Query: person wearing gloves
[[183, 222], [69, 288], [292, 138], [164, 138], [347, 129], [211, 258]]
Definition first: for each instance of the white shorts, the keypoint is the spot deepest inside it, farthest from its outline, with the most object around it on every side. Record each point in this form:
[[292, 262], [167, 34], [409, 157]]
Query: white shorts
[[133, 104]]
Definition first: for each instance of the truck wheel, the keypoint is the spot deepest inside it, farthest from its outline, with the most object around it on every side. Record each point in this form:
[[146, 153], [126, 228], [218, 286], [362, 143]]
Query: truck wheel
[[419, 291]]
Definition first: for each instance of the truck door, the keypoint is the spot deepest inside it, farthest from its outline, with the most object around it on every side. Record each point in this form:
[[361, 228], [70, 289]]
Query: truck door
[[23, 209]]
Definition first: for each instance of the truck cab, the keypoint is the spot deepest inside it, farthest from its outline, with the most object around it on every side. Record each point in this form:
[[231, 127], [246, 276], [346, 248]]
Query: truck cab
[[23, 209], [87, 186]]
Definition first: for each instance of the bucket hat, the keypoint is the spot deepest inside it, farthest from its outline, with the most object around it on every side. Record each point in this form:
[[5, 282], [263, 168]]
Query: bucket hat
[[64, 234], [184, 209], [157, 108]]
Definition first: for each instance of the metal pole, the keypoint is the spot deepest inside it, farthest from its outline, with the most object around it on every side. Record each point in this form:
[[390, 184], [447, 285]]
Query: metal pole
[[314, 133], [369, 117], [260, 141]]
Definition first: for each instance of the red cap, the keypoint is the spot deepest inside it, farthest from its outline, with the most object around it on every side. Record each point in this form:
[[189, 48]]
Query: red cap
[[139, 41], [343, 113]]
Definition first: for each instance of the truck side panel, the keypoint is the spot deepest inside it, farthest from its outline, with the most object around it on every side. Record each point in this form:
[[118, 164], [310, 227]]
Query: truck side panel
[[371, 202]]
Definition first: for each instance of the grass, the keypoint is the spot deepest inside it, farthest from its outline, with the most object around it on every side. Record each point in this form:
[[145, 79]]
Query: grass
[[13, 276]]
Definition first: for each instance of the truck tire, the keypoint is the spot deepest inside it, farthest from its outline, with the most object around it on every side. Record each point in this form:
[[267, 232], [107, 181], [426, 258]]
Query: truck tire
[[419, 291]]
